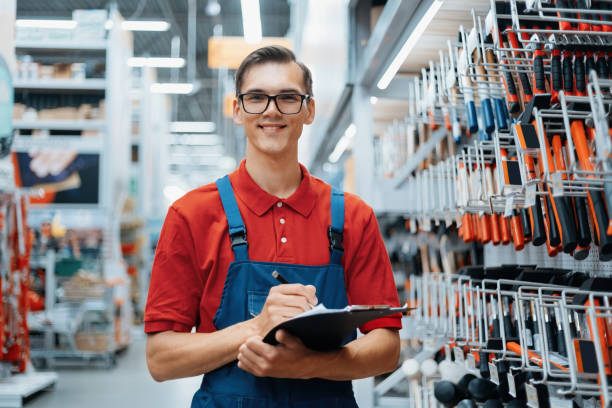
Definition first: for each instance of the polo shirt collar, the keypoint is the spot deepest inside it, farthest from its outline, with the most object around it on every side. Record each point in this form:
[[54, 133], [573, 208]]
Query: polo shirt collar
[[260, 201]]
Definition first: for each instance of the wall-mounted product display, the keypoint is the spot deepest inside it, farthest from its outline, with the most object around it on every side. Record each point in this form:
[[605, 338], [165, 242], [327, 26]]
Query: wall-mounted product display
[[500, 163]]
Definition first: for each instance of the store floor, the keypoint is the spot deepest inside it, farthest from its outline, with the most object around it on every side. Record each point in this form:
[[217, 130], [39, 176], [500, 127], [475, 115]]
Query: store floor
[[128, 384]]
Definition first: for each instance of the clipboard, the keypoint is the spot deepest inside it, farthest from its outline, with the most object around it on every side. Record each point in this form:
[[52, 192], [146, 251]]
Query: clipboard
[[325, 329]]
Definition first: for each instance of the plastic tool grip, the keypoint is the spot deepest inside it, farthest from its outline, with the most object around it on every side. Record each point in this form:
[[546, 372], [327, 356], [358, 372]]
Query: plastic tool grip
[[602, 66], [517, 232], [564, 217], [511, 93], [495, 229], [504, 230], [563, 4], [582, 221], [455, 125], [554, 238], [526, 224], [500, 114], [527, 92], [472, 116], [580, 74], [485, 229], [555, 70], [487, 115], [590, 62], [538, 230], [539, 78], [568, 73], [596, 202], [533, 357]]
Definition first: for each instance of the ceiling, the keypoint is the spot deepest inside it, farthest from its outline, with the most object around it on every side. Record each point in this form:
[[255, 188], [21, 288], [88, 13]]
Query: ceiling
[[275, 18], [444, 26]]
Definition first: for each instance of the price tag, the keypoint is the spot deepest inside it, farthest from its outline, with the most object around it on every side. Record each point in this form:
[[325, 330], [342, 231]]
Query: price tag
[[458, 220], [561, 403], [557, 185], [459, 357], [448, 219], [494, 374], [471, 362], [532, 396], [509, 206], [511, 385], [530, 195], [528, 338], [413, 226]]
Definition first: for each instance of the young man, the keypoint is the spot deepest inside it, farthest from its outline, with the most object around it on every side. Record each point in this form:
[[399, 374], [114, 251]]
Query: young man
[[221, 242]]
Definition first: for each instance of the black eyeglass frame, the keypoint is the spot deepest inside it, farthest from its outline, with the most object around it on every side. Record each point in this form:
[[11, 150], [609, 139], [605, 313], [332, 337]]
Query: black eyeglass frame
[[270, 97]]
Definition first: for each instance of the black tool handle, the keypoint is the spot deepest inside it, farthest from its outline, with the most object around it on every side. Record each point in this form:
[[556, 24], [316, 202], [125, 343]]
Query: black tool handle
[[539, 76], [526, 223], [556, 72], [566, 222], [554, 238], [580, 73], [582, 218], [568, 74], [513, 105], [537, 223]]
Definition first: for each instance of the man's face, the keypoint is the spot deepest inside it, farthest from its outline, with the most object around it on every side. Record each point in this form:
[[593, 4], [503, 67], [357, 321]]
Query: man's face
[[271, 132]]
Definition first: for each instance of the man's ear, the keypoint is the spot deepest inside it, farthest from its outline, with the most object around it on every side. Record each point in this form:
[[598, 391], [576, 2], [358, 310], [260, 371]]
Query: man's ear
[[236, 111], [311, 111]]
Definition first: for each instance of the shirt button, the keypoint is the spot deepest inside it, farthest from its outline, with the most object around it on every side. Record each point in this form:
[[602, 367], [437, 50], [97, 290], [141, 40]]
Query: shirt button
[[282, 220], [279, 204], [283, 240]]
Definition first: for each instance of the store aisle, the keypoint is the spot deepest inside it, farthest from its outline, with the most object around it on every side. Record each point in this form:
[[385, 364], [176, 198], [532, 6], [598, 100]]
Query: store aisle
[[127, 385]]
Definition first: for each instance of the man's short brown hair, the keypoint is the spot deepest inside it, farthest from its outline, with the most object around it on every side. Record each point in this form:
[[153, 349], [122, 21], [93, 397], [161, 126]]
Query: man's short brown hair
[[272, 53]]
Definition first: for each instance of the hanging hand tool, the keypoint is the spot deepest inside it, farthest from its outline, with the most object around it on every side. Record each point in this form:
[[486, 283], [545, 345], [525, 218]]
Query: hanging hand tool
[[597, 205]]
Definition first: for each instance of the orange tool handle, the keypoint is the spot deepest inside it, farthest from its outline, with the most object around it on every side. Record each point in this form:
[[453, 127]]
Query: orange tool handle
[[495, 229], [504, 230], [485, 228], [468, 230], [517, 232], [602, 331], [533, 357]]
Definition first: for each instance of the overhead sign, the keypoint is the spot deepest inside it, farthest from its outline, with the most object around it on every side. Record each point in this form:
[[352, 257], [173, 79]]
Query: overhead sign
[[230, 51]]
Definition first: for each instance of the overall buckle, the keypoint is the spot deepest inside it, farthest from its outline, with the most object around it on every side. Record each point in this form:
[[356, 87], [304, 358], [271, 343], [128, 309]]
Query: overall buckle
[[239, 238], [335, 239]]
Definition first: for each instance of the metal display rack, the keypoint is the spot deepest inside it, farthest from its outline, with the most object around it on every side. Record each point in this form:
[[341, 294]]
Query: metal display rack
[[462, 187], [63, 319]]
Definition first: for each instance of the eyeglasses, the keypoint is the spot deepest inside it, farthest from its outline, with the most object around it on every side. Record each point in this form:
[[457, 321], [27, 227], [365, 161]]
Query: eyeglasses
[[286, 103]]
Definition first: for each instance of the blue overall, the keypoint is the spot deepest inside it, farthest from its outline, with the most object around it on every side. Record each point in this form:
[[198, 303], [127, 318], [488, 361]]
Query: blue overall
[[246, 287]]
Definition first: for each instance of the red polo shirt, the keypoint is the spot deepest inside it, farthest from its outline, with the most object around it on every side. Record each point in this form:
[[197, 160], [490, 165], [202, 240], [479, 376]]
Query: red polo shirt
[[194, 252]]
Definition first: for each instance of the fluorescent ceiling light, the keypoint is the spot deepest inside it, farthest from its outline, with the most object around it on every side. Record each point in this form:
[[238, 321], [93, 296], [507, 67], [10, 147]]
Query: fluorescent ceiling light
[[140, 25], [65, 24], [156, 62], [344, 143], [251, 21], [172, 88], [136, 25], [192, 127], [412, 40]]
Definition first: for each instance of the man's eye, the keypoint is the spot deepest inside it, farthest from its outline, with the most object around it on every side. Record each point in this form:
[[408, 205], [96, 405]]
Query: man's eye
[[255, 97], [289, 98]]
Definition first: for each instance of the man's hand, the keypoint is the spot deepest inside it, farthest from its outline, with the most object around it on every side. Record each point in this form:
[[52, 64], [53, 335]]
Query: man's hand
[[264, 360], [283, 303]]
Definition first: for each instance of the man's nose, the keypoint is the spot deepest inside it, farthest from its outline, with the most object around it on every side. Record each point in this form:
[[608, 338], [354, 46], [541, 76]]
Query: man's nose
[[272, 109]]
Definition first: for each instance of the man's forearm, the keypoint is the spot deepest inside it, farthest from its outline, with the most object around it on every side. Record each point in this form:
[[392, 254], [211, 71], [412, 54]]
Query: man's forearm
[[172, 355], [373, 354]]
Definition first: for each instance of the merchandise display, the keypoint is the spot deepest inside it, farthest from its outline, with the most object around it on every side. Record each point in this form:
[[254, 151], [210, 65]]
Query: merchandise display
[[467, 141], [510, 130]]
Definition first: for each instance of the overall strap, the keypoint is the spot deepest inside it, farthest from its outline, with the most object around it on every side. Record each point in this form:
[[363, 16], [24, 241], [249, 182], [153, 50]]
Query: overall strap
[[334, 232], [237, 230]]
